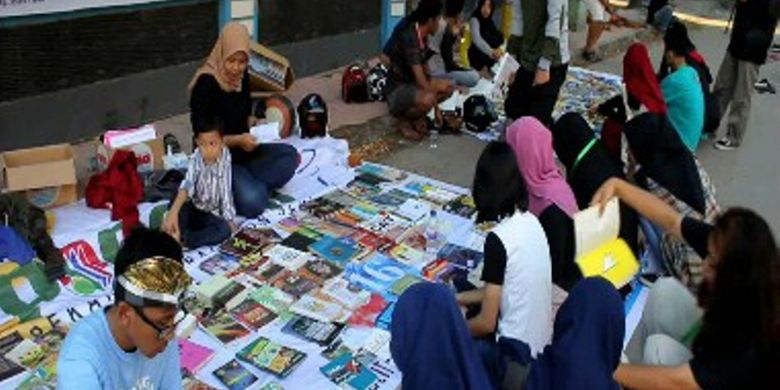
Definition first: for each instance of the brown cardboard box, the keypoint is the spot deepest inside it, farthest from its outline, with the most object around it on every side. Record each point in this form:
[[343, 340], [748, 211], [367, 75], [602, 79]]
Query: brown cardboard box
[[276, 76], [46, 175], [149, 154]]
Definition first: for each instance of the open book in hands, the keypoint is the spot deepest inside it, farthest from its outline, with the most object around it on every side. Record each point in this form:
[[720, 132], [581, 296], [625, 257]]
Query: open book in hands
[[599, 251]]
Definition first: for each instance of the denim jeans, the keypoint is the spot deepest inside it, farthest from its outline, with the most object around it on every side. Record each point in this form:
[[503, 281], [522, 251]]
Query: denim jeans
[[463, 78], [199, 228], [270, 167]]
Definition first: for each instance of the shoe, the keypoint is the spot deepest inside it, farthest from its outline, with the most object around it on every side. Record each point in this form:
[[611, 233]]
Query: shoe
[[764, 86], [407, 131], [775, 48], [725, 144]]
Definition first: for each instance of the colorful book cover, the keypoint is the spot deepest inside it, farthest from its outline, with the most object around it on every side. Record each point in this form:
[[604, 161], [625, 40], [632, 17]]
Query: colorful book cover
[[289, 258], [321, 207], [386, 318], [413, 210], [378, 273], [335, 349], [319, 309], [268, 273], [320, 270], [392, 198], [377, 344], [347, 372], [272, 386], [404, 283], [27, 353], [193, 356], [190, 383], [253, 314], [415, 238], [271, 357], [347, 294], [462, 206], [234, 376], [388, 173], [408, 255], [341, 198], [250, 261], [461, 257], [335, 250], [34, 382], [272, 298], [370, 240], [362, 189], [294, 284], [227, 294], [9, 369], [219, 265], [365, 210], [439, 270], [346, 218], [241, 244], [370, 179], [297, 240], [367, 315], [224, 327], [330, 226], [322, 333], [387, 225]]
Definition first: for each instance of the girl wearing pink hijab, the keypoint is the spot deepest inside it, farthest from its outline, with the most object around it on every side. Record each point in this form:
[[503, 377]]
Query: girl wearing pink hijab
[[549, 196]]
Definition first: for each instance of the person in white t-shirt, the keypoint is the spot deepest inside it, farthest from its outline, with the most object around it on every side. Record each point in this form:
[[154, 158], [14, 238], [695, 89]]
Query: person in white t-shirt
[[515, 317]]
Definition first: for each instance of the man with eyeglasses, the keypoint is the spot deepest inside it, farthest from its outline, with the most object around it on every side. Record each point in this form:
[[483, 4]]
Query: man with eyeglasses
[[130, 345]]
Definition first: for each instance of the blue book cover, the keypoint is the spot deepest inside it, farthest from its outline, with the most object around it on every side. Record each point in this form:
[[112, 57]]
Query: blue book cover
[[335, 250], [346, 371], [378, 274]]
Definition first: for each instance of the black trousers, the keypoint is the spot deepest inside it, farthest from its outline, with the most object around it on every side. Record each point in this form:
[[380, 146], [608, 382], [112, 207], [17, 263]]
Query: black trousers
[[525, 99]]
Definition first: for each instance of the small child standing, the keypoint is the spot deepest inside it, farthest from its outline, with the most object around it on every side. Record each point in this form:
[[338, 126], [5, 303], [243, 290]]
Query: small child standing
[[203, 210]]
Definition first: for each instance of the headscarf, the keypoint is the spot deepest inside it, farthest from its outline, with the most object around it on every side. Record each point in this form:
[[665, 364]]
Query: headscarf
[[532, 144], [234, 38], [587, 341], [487, 29], [574, 141], [640, 79], [663, 157], [430, 343]]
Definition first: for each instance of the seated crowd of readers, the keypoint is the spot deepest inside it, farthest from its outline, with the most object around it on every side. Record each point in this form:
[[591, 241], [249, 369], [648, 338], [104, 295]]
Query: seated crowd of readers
[[711, 322]]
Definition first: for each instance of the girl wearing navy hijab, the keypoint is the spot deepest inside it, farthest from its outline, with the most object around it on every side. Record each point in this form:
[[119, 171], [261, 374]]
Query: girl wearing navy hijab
[[430, 343], [587, 341]]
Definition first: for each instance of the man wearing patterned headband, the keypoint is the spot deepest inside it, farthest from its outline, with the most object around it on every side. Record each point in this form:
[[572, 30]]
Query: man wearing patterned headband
[[129, 344]]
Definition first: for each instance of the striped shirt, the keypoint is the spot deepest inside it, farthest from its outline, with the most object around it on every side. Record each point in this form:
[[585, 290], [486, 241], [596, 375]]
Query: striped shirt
[[210, 186]]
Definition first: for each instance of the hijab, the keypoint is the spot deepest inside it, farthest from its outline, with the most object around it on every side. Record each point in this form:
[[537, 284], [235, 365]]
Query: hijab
[[234, 38], [431, 344], [575, 142], [663, 157], [487, 29], [640, 79], [587, 341], [532, 144]]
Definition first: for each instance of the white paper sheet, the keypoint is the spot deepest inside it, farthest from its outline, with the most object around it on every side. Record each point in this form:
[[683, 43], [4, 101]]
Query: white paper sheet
[[592, 230]]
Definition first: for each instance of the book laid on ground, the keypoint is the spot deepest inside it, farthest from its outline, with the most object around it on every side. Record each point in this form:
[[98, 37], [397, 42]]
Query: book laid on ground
[[272, 298], [461, 257], [193, 356], [289, 258], [294, 284], [219, 265], [336, 250], [224, 327], [218, 291], [252, 314], [367, 315], [404, 283], [322, 333], [378, 273], [234, 376], [247, 241], [320, 270], [347, 372], [271, 357], [348, 294], [320, 309], [599, 251], [190, 383]]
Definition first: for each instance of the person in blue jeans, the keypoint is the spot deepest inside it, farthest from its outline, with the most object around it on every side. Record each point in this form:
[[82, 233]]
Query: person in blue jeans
[[220, 89], [202, 212]]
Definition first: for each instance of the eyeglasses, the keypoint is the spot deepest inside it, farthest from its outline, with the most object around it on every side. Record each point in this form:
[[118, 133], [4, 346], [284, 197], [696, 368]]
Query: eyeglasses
[[162, 333]]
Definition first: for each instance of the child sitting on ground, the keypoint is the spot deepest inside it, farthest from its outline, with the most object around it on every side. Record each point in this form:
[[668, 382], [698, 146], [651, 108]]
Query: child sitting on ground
[[203, 210]]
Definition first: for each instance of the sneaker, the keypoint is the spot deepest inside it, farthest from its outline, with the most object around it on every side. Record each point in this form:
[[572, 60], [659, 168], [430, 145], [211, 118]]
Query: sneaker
[[764, 86], [591, 56], [725, 144]]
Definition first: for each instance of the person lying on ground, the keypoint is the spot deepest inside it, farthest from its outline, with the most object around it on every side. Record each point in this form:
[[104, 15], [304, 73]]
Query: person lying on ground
[[726, 337]]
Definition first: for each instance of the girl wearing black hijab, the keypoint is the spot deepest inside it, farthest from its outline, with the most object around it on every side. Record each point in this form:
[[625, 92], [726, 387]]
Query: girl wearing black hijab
[[486, 40], [671, 172], [588, 166]]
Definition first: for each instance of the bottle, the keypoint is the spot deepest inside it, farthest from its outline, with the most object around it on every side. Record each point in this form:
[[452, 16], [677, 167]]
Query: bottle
[[433, 236]]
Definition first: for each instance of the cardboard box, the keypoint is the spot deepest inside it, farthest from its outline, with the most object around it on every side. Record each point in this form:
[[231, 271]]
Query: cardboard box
[[269, 71], [149, 154], [46, 175]]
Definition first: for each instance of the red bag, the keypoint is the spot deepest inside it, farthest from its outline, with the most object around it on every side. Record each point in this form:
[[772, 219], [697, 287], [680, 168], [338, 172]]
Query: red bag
[[354, 84]]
